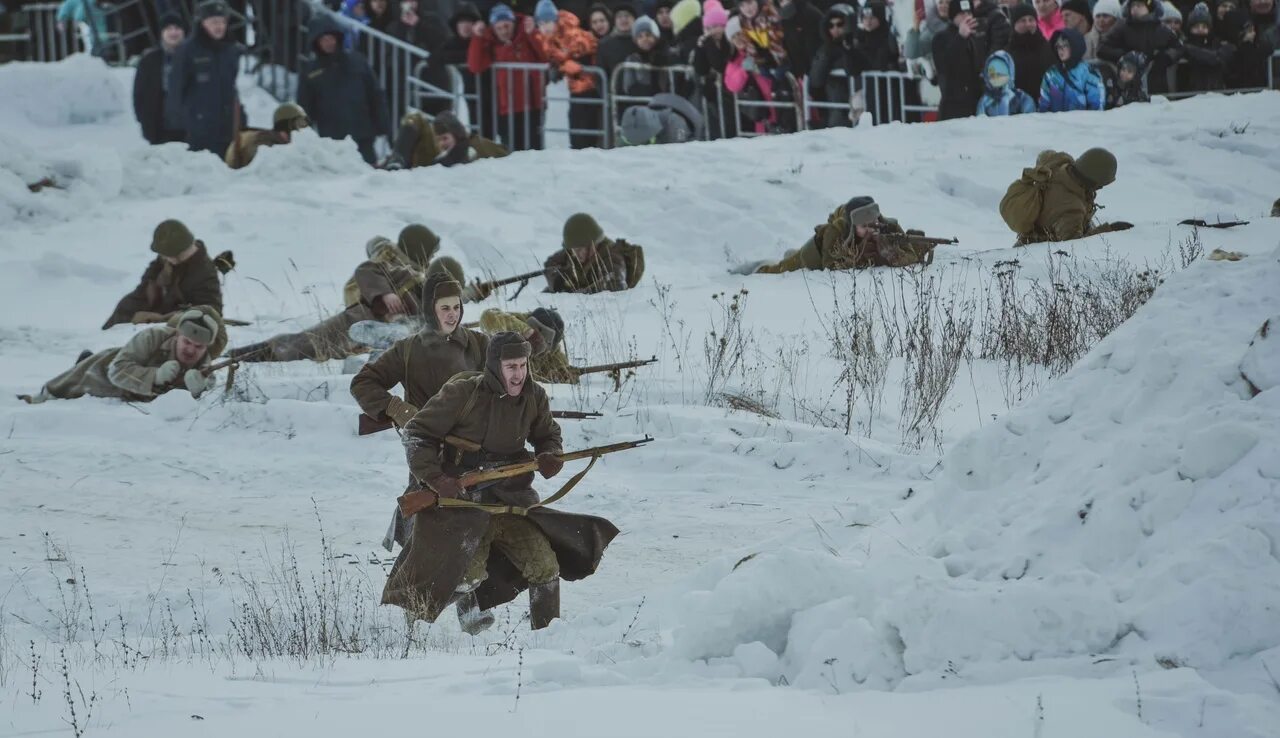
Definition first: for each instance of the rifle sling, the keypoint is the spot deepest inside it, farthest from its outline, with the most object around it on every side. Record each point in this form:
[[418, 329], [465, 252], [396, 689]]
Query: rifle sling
[[516, 509]]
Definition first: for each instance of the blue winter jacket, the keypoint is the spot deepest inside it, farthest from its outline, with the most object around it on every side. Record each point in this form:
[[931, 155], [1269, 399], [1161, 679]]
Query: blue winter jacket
[[1072, 85], [1006, 99], [202, 90]]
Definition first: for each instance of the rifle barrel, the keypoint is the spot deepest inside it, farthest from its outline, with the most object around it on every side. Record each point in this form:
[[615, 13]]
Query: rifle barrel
[[512, 280], [597, 368]]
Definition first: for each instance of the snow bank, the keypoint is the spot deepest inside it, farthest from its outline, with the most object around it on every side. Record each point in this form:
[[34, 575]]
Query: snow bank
[[1133, 509], [78, 90]]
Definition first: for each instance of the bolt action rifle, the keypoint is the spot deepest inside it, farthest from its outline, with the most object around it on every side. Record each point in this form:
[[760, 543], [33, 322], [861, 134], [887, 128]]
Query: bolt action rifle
[[489, 286], [614, 370], [367, 426], [412, 503]]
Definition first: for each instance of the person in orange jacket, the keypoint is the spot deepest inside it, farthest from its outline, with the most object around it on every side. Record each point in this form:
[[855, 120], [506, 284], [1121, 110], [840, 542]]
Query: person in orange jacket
[[510, 38], [568, 48]]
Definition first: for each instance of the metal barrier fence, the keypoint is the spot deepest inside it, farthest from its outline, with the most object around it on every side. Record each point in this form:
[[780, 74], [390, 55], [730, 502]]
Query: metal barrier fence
[[394, 61], [615, 98], [793, 107]]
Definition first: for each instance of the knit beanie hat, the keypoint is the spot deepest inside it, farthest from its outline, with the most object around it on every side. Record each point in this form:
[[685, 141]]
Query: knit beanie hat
[[1199, 14], [546, 12], [645, 24], [733, 27], [1020, 11], [683, 14], [505, 346], [171, 238], [1171, 12], [172, 19], [1081, 7], [198, 327], [1108, 7], [501, 12], [714, 15]]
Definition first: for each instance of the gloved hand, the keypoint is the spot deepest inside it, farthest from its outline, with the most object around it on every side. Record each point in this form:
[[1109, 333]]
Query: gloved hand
[[549, 464], [146, 316], [400, 412], [445, 486], [167, 372], [476, 291], [225, 262], [196, 382]]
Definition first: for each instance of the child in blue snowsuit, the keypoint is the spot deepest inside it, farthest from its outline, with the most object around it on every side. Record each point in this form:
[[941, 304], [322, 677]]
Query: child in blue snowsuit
[[1071, 84], [1002, 96]]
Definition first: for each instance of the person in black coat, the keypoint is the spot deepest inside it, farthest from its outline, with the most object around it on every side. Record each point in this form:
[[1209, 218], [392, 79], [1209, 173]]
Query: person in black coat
[[151, 84], [1208, 57], [801, 33], [202, 82], [338, 90], [1253, 51], [1142, 31], [1031, 52], [428, 32], [960, 53], [839, 27]]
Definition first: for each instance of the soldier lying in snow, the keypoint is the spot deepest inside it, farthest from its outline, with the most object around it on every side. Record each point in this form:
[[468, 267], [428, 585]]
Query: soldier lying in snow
[[383, 288], [588, 262], [289, 117], [1054, 200], [443, 141], [153, 362], [544, 330], [181, 275], [855, 236]]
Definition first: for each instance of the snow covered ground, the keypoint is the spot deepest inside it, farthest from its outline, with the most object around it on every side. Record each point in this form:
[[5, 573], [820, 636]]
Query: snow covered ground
[[1096, 554]]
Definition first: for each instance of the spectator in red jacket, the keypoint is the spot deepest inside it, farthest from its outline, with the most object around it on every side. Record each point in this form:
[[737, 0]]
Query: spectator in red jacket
[[508, 39]]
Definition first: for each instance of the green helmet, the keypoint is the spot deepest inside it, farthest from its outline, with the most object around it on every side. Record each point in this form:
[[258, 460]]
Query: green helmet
[[581, 230], [448, 265], [289, 117], [418, 243], [171, 238], [1097, 167]]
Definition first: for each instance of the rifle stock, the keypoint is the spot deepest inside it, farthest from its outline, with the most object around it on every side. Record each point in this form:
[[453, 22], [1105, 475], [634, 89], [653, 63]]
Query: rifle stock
[[598, 368], [913, 238], [414, 502]]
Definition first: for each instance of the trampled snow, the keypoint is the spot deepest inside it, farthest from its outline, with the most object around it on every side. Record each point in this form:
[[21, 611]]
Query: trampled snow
[[1101, 558]]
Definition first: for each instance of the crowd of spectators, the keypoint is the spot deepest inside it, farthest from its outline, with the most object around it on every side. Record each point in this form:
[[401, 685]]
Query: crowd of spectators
[[968, 58]]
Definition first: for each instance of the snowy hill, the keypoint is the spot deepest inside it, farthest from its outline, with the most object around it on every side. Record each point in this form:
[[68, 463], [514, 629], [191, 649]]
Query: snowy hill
[[1094, 553]]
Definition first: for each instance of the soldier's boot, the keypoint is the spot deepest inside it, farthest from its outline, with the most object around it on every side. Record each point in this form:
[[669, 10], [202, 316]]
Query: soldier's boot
[[471, 618], [544, 604], [260, 351], [750, 267], [792, 262]]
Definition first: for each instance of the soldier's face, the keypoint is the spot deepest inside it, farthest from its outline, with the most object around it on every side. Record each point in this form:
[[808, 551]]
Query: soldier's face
[[445, 141], [448, 313], [860, 231], [188, 352], [583, 253], [514, 372], [216, 27]]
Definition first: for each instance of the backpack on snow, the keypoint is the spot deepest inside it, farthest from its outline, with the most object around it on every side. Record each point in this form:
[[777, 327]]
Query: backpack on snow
[[1021, 204], [633, 259]]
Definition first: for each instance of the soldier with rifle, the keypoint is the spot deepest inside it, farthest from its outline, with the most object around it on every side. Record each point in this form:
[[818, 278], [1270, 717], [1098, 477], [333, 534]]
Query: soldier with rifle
[[481, 535], [589, 262], [182, 274], [153, 362], [384, 288], [855, 236]]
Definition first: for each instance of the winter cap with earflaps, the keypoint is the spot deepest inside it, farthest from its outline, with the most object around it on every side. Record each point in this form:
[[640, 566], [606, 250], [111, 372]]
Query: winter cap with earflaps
[[501, 12], [645, 24], [581, 230], [505, 346], [684, 13], [438, 286], [171, 238], [447, 265], [198, 327], [714, 15], [639, 125], [545, 12], [1108, 7], [861, 210], [419, 243], [1097, 167], [447, 122]]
